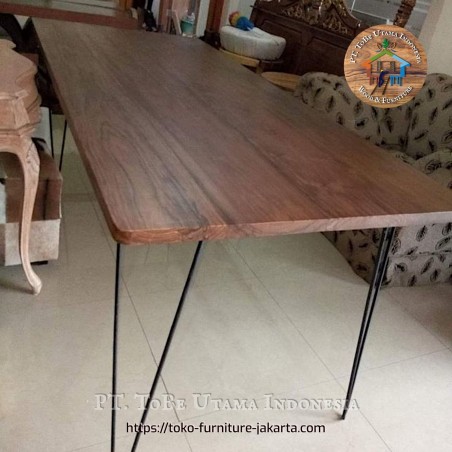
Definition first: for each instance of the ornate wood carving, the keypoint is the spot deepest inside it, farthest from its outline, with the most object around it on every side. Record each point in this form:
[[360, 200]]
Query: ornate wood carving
[[317, 32], [404, 12], [19, 115], [331, 15], [307, 11]]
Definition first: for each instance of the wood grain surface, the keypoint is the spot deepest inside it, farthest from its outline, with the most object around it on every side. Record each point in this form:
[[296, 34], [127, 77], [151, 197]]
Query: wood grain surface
[[283, 80], [183, 143], [97, 12]]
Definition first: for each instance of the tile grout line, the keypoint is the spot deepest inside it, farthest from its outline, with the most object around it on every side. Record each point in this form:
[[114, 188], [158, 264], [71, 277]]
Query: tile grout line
[[426, 328], [107, 442], [112, 251], [299, 332], [375, 430], [152, 354], [146, 337], [336, 378], [363, 371], [286, 316]]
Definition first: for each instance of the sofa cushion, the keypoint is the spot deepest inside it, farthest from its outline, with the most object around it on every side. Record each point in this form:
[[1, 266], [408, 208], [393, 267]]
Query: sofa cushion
[[419, 255], [423, 239], [423, 269], [331, 94], [438, 166], [397, 152], [431, 122], [393, 126]]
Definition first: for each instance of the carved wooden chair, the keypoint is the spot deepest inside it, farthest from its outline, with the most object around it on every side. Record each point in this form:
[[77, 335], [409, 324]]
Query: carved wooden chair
[[20, 176], [19, 114]]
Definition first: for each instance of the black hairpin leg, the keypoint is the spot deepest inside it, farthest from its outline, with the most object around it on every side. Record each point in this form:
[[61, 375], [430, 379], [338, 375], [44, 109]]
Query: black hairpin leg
[[63, 142], [377, 278], [165, 350], [51, 133], [115, 346], [168, 341]]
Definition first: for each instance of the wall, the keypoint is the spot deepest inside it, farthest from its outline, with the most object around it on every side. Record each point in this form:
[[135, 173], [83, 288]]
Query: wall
[[202, 17], [376, 12], [228, 8], [244, 6], [436, 36]]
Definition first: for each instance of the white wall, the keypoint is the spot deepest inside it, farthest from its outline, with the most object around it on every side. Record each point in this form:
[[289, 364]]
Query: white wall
[[436, 36], [243, 6], [202, 17], [155, 9], [228, 8]]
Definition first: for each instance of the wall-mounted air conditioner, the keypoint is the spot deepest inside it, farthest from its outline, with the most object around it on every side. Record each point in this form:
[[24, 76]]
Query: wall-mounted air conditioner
[[375, 12]]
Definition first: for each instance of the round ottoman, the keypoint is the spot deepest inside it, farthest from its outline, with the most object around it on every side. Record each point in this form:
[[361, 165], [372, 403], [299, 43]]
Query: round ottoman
[[254, 43]]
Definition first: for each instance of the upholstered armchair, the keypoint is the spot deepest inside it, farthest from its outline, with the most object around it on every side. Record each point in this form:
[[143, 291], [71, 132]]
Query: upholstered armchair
[[420, 134]]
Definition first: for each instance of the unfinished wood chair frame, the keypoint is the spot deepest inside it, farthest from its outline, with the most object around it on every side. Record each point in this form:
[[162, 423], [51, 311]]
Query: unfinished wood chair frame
[[19, 114]]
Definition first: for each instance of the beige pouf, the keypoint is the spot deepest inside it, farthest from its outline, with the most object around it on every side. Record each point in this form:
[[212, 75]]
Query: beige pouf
[[254, 43]]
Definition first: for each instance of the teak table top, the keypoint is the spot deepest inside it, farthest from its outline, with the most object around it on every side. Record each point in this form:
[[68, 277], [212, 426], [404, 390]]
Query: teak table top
[[98, 12], [182, 143]]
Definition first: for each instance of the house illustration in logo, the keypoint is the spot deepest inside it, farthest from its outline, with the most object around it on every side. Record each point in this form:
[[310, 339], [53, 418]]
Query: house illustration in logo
[[384, 63]]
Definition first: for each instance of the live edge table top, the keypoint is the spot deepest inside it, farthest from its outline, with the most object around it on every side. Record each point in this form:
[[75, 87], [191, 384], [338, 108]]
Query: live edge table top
[[182, 143]]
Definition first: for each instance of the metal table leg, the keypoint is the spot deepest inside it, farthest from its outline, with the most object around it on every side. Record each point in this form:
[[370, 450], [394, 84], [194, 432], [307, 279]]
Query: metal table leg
[[63, 143], [377, 278], [115, 346], [165, 350]]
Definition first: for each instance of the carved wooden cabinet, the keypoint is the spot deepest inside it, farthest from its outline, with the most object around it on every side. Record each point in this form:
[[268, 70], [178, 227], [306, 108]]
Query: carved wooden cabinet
[[317, 32], [19, 115]]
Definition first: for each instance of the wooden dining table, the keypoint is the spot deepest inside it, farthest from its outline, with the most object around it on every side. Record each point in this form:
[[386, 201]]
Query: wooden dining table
[[183, 144]]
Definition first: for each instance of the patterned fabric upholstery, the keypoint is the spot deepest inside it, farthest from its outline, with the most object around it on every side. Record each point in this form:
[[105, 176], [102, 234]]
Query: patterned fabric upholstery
[[331, 95], [420, 134], [431, 122]]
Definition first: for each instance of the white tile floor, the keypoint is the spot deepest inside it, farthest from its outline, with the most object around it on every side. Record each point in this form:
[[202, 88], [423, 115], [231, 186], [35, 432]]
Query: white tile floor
[[278, 315]]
